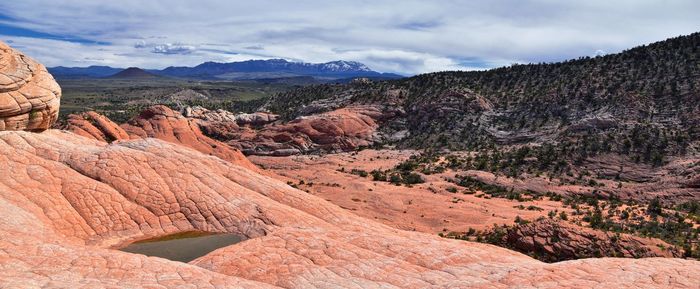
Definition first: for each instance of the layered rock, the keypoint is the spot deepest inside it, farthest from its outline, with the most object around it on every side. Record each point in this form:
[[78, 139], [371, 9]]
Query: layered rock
[[29, 96], [163, 123], [555, 241], [218, 132]]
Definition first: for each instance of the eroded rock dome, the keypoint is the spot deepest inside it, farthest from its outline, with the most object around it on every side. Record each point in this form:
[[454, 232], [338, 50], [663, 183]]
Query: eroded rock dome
[[29, 96]]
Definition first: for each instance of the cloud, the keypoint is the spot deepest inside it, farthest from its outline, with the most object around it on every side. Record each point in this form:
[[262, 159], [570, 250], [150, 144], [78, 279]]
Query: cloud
[[220, 51], [255, 47], [164, 48], [168, 48], [420, 25], [409, 37], [140, 44]]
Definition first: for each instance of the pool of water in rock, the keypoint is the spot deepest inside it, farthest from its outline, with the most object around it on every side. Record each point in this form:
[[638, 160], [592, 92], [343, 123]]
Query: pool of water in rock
[[182, 247]]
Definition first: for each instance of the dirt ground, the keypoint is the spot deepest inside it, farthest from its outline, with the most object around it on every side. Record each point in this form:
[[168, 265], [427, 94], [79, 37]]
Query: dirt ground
[[426, 207]]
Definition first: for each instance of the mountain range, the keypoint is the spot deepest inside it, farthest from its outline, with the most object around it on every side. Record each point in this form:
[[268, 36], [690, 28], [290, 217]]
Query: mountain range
[[243, 70]]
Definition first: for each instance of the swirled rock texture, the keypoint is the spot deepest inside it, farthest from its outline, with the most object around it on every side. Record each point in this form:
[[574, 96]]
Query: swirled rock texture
[[29, 96], [67, 200]]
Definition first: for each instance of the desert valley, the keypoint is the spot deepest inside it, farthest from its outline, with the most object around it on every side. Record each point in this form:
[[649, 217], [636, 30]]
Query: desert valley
[[582, 173]]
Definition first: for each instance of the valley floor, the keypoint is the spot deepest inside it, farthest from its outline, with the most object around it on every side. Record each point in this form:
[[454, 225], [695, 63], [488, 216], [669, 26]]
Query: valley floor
[[426, 207], [440, 205]]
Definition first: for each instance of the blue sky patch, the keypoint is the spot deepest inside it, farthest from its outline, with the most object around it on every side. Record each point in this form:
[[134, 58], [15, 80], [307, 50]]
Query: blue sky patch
[[16, 31]]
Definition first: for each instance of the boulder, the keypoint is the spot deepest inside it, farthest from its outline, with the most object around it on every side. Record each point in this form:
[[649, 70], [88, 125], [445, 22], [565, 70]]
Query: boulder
[[555, 241]]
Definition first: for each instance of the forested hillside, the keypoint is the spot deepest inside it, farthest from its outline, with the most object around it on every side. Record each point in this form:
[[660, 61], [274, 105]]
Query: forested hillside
[[643, 102]]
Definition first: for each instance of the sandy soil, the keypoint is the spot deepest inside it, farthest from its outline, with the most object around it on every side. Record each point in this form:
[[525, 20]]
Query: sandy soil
[[426, 207]]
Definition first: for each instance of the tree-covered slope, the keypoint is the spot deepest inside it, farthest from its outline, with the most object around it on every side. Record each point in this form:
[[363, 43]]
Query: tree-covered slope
[[643, 102]]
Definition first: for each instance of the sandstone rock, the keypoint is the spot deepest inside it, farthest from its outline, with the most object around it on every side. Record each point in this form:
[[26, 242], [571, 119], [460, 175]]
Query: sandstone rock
[[555, 241], [256, 118], [163, 123], [220, 115], [29, 96], [344, 129], [155, 122], [68, 199], [261, 133], [96, 126]]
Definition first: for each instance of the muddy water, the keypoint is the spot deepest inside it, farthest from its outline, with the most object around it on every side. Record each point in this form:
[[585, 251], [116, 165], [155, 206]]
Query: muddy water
[[183, 247]]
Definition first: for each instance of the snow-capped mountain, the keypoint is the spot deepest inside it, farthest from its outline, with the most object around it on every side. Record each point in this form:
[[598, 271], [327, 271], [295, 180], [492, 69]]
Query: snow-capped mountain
[[344, 66], [251, 69]]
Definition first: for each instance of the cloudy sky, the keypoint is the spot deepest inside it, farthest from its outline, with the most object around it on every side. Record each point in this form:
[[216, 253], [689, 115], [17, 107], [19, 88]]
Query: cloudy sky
[[401, 36]]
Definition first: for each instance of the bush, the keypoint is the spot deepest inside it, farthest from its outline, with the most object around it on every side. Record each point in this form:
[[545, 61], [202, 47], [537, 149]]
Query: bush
[[378, 175], [359, 172], [412, 178], [655, 208], [563, 216]]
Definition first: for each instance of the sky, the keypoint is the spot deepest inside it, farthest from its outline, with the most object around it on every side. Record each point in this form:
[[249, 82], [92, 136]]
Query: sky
[[403, 36]]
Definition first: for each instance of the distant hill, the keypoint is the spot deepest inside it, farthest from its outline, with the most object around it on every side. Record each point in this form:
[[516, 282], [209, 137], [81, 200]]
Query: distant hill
[[133, 72], [244, 70]]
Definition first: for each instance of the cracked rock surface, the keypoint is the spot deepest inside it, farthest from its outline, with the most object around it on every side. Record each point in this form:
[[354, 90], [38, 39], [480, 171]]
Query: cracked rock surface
[[29, 96], [68, 200]]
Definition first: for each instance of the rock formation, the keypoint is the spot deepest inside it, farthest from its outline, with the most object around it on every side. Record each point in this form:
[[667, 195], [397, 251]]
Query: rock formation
[[94, 125], [555, 241], [29, 96], [220, 115], [339, 130], [68, 199], [262, 133], [155, 122]]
